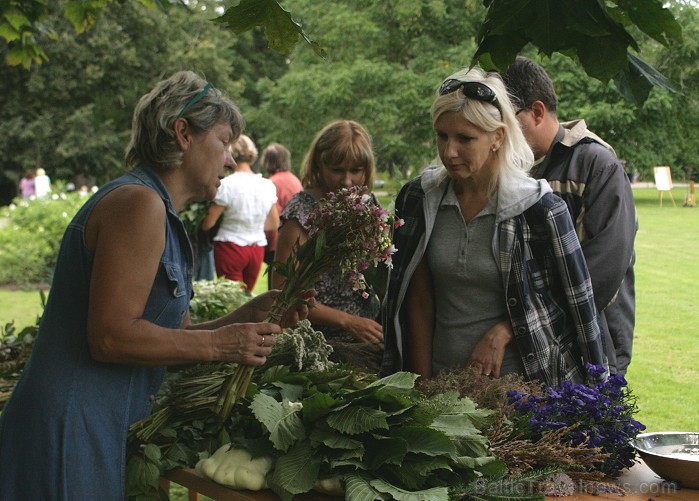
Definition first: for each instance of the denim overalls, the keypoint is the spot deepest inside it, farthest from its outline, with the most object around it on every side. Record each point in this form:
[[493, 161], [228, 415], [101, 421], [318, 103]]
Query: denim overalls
[[63, 432]]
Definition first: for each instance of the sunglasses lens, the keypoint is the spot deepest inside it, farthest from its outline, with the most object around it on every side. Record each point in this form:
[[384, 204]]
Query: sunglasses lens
[[449, 86], [472, 90]]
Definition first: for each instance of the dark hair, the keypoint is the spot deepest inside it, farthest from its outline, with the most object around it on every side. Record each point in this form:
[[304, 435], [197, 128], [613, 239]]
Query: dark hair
[[275, 158], [527, 82]]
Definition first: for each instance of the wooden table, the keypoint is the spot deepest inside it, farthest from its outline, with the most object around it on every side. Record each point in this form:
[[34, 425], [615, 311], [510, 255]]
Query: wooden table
[[640, 482]]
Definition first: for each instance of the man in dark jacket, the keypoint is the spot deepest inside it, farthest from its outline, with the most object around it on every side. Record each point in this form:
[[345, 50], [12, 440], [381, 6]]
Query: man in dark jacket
[[584, 171]]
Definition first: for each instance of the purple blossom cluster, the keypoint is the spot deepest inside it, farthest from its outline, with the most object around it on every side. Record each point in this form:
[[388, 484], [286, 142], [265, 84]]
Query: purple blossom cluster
[[599, 416], [356, 230]]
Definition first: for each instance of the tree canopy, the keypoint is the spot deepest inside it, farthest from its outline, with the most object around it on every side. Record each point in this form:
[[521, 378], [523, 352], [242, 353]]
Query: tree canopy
[[597, 34], [383, 60]]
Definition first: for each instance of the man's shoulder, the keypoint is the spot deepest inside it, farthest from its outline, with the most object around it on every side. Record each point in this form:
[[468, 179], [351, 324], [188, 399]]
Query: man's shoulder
[[578, 136]]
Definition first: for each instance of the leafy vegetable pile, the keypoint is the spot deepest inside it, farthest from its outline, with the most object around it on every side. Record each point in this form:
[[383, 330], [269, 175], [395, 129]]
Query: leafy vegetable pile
[[184, 428], [381, 438]]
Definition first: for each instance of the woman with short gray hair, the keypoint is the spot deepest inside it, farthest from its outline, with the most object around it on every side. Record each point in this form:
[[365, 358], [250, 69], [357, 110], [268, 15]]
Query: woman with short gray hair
[[118, 310]]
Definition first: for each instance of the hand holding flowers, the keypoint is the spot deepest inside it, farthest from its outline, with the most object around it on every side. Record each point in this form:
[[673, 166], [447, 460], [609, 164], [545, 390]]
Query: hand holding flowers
[[347, 230]]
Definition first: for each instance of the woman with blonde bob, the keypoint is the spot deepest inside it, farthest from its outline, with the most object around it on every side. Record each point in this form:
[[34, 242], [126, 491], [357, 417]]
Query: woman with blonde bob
[[340, 156], [489, 272]]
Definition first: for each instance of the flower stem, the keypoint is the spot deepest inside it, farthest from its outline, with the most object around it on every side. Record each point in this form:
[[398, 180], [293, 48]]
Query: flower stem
[[236, 384]]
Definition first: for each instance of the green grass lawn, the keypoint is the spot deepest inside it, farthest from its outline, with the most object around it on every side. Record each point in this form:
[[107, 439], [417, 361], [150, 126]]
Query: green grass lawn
[[22, 306], [664, 372]]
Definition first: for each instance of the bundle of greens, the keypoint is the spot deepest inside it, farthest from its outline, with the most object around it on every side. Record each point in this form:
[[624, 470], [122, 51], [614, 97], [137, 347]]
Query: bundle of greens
[[183, 427], [349, 230]]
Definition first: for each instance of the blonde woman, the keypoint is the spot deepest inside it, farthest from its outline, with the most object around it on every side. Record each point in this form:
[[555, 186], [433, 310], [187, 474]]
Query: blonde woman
[[246, 204], [489, 272]]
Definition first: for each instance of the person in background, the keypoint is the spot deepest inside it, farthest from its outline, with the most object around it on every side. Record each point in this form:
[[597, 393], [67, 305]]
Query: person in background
[[26, 185], [118, 311], [488, 271], [276, 162], [584, 171], [246, 204], [340, 156], [42, 184]]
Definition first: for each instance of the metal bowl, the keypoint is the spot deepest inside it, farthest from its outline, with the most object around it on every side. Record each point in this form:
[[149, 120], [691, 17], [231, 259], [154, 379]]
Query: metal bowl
[[672, 455]]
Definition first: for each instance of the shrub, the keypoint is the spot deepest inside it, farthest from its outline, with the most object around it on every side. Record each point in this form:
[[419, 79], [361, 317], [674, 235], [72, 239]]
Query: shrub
[[31, 233], [214, 298]]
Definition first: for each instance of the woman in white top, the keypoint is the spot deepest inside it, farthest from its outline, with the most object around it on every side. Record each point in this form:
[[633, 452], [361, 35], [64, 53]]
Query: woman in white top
[[42, 184], [246, 203]]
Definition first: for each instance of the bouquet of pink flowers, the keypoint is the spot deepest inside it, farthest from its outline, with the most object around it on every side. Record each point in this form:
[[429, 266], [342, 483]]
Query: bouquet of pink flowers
[[349, 230]]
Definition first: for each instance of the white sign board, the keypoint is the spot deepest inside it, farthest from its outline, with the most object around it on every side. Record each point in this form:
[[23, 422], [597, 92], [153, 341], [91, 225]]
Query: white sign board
[[663, 179]]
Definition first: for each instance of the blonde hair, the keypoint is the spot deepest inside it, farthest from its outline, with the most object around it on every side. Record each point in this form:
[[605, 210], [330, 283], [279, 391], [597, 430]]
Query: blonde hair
[[514, 157], [339, 142], [244, 150]]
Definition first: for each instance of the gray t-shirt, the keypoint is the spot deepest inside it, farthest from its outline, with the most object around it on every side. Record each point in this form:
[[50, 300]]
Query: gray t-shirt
[[469, 295]]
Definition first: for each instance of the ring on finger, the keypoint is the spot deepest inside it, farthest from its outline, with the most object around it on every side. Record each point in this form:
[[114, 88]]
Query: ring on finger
[[262, 341]]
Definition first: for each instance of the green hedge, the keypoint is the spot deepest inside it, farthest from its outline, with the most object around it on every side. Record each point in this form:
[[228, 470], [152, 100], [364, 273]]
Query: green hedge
[[31, 233]]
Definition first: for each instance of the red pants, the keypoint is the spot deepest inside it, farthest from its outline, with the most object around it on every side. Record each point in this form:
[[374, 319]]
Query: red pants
[[241, 263]]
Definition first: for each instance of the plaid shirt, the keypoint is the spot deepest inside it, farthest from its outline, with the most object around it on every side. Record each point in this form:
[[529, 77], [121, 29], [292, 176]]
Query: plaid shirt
[[548, 289]]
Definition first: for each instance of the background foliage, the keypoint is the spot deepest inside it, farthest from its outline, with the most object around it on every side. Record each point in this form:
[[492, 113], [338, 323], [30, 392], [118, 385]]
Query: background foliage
[[31, 234], [72, 113]]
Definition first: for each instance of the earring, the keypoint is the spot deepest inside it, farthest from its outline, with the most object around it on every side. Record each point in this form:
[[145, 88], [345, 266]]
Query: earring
[[495, 148]]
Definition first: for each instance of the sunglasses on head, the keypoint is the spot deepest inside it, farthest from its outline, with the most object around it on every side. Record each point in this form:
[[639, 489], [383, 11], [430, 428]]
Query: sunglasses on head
[[472, 90]]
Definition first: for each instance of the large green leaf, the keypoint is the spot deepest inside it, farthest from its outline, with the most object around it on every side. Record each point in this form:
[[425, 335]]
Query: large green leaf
[[456, 425], [335, 440], [423, 440], [390, 400], [475, 463], [401, 380], [358, 488], [291, 392], [591, 32], [317, 406], [357, 419], [472, 447], [654, 19], [281, 31], [384, 450], [414, 471], [602, 57], [434, 494], [636, 82], [284, 425], [296, 471]]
